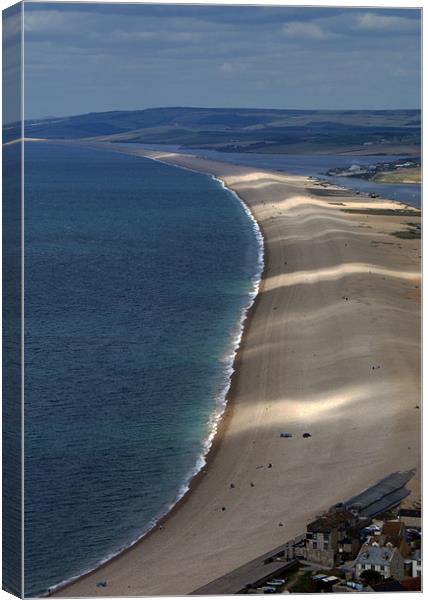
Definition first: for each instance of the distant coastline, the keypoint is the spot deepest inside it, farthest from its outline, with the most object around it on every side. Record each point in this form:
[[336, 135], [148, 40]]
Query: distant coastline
[[245, 130], [392, 171], [350, 171]]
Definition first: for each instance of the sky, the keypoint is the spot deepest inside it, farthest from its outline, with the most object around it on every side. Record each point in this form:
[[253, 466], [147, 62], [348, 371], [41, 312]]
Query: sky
[[83, 58]]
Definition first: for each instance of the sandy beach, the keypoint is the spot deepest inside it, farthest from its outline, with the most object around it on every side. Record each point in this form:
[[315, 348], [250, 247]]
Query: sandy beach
[[331, 347]]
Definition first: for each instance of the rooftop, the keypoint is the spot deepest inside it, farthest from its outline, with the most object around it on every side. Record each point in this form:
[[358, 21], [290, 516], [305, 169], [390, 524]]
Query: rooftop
[[331, 520], [375, 555], [393, 531], [412, 584], [390, 585], [388, 492], [409, 512]]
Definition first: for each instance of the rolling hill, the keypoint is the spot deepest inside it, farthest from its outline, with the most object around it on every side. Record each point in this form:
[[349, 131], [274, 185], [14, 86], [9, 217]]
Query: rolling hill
[[242, 129]]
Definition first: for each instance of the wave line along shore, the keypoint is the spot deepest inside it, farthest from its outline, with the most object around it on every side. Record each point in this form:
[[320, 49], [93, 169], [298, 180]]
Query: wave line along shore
[[330, 346]]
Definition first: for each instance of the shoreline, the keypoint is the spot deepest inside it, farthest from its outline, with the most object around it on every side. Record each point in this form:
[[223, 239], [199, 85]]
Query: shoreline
[[219, 421], [233, 391]]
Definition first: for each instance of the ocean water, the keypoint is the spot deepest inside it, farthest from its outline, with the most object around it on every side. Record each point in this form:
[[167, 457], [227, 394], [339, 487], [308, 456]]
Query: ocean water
[[137, 279], [316, 165], [11, 363]]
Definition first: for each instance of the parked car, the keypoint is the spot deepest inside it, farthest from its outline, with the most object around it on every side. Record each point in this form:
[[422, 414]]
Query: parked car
[[412, 535], [355, 585]]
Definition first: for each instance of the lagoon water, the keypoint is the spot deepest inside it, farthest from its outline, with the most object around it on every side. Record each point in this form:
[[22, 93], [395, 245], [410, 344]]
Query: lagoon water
[[316, 165], [137, 276]]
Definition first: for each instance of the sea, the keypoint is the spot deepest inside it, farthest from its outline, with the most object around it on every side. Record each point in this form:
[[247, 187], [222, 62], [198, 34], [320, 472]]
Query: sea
[[138, 276]]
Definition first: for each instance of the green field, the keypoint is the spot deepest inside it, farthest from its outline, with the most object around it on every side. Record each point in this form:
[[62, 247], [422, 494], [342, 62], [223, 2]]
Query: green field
[[244, 129], [411, 175]]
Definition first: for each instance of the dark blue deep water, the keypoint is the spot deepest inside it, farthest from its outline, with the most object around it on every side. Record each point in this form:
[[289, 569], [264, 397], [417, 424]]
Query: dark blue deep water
[[137, 275]]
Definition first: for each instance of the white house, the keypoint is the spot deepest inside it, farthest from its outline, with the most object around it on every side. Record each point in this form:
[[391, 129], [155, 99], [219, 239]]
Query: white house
[[386, 560], [416, 564]]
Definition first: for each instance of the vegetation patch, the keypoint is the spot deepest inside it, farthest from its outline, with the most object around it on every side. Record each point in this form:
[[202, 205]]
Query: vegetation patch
[[413, 232], [304, 584], [410, 175], [242, 129], [324, 191], [371, 577], [391, 212], [386, 172], [388, 515]]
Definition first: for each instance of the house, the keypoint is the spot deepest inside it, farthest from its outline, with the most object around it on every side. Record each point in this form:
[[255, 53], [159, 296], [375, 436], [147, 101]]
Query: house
[[386, 560], [332, 536], [416, 564], [348, 547], [394, 532], [410, 517]]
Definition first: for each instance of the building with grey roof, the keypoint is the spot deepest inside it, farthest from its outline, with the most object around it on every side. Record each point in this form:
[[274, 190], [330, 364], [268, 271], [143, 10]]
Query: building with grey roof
[[385, 559]]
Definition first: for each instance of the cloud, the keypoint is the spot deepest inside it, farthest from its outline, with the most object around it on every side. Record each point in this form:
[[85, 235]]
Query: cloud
[[50, 21], [232, 67], [170, 36], [374, 22], [302, 30], [217, 55], [222, 14]]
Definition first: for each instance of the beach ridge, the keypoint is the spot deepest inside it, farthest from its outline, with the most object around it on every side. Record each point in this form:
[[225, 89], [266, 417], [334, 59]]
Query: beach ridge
[[329, 277]]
